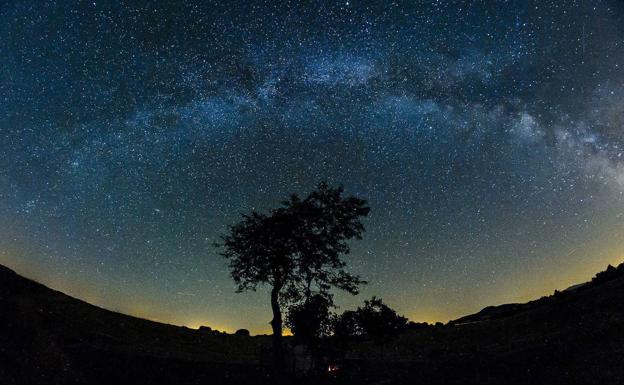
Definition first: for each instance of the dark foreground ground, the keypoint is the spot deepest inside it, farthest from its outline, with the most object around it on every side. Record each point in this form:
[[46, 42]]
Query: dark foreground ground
[[573, 337]]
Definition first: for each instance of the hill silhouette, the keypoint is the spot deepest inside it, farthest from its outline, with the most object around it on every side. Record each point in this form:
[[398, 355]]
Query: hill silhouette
[[607, 297], [572, 336], [47, 337]]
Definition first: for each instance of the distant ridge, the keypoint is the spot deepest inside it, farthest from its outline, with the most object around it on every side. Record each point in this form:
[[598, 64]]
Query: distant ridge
[[47, 337], [507, 310], [13, 286]]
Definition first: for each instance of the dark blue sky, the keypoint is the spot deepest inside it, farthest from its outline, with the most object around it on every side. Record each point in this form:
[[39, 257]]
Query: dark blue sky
[[486, 135]]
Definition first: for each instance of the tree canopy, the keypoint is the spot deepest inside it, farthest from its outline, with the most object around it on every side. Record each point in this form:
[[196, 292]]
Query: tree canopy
[[379, 321], [297, 250], [298, 246]]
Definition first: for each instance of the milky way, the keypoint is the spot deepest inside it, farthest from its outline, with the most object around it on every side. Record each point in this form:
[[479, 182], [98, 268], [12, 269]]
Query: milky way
[[487, 137]]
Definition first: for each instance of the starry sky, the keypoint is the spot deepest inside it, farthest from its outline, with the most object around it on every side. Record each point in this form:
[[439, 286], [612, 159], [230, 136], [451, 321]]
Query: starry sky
[[487, 136]]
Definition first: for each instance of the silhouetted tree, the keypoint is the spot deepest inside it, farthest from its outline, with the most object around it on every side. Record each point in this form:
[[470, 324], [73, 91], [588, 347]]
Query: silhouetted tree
[[242, 332], [345, 327], [310, 320], [411, 325], [327, 221], [378, 321], [296, 250]]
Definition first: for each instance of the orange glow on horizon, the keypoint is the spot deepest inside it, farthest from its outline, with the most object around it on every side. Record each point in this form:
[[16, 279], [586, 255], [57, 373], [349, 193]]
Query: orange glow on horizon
[[542, 285]]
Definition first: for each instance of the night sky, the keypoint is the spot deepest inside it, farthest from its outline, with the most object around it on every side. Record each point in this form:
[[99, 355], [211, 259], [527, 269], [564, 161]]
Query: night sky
[[488, 138]]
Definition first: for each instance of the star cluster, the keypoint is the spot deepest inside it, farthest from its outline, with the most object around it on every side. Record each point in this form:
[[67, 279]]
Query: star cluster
[[487, 137]]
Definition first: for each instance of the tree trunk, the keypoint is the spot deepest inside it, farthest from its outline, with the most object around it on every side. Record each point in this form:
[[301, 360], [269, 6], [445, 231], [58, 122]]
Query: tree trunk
[[276, 324]]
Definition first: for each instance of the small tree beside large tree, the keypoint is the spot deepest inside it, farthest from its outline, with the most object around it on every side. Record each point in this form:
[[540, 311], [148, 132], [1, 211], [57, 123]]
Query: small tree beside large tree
[[379, 321], [297, 250]]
